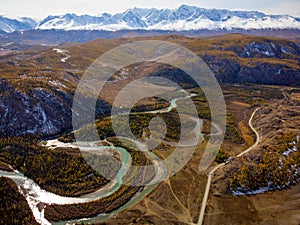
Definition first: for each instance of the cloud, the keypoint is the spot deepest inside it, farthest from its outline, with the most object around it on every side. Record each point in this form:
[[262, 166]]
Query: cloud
[[290, 7]]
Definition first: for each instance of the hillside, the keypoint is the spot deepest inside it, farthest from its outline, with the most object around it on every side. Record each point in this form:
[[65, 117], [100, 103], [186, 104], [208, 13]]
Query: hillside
[[41, 80], [14, 207], [19, 40]]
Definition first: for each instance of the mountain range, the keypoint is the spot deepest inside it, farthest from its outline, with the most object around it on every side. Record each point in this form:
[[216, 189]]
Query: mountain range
[[184, 18]]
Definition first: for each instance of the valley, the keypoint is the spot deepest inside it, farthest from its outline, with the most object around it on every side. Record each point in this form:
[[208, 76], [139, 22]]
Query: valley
[[257, 179]]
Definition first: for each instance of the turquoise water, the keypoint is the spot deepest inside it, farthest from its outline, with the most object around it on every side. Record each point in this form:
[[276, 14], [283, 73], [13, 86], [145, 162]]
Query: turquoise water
[[40, 195]]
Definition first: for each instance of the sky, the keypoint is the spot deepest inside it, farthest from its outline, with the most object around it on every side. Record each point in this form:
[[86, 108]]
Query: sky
[[40, 9]]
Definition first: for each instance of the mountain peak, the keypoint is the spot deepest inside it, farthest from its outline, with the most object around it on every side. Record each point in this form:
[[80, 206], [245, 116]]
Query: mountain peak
[[183, 18]]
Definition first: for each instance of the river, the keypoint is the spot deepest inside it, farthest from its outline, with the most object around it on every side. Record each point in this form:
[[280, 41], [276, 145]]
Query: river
[[36, 196]]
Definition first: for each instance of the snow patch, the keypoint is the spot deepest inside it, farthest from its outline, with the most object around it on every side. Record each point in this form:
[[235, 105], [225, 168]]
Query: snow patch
[[258, 191], [293, 149], [38, 215], [57, 83], [278, 72], [64, 59], [64, 52], [58, 144], [60, 51]]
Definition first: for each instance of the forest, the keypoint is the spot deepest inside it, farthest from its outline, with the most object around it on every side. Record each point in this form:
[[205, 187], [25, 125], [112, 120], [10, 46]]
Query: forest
[[278, 168], [61, 171], [13, 206]]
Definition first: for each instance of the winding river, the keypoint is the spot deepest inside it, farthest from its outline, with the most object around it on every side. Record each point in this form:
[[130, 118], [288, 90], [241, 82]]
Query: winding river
[[36, 196]]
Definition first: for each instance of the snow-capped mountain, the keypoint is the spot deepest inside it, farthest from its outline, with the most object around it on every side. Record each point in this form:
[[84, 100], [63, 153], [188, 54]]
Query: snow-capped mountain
[[182, 19], [10, 25]]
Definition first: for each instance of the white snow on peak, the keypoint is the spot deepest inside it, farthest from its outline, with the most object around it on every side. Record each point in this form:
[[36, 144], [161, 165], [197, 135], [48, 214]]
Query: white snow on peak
[[183, 18]]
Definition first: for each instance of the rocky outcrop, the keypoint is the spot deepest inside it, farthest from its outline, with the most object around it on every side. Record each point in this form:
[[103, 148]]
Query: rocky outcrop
[[40, 111], [37, 112], [259, 61]]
